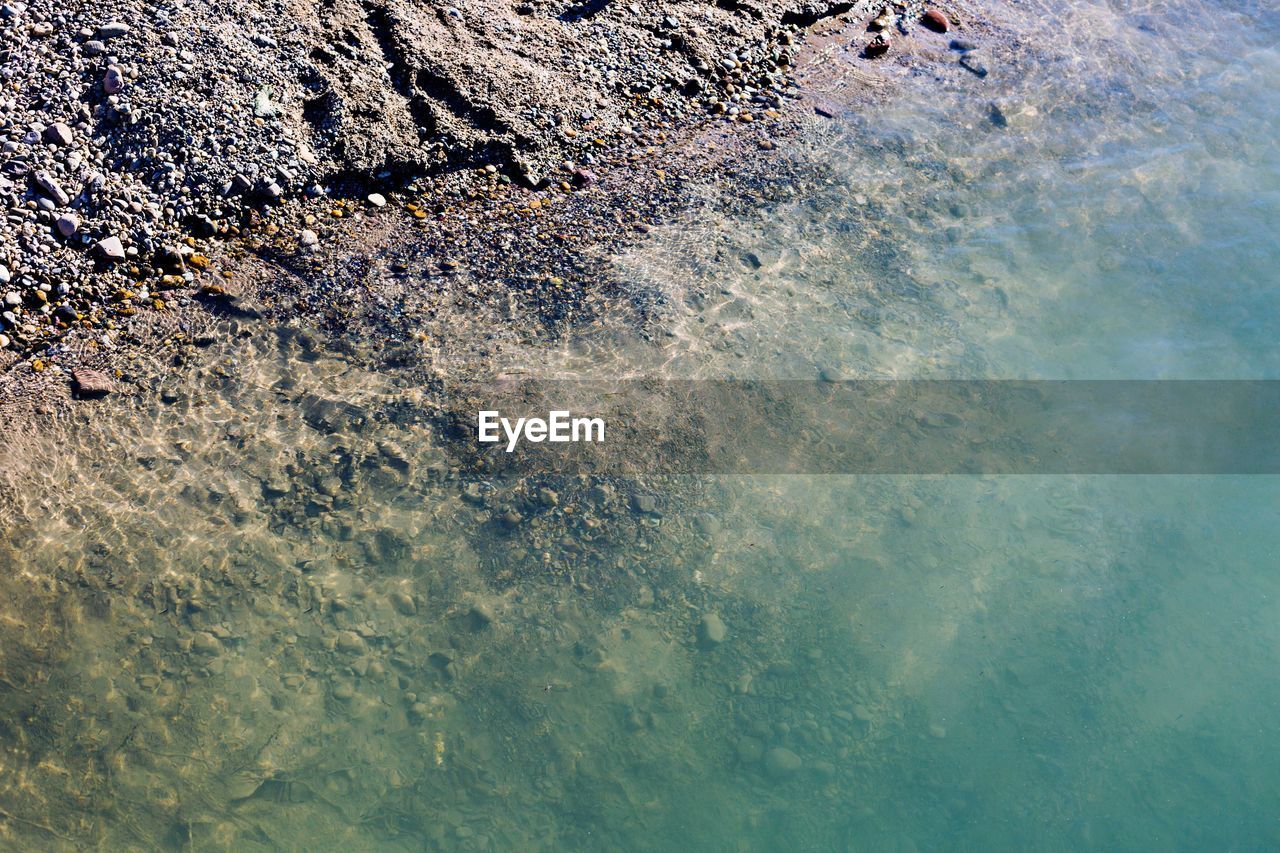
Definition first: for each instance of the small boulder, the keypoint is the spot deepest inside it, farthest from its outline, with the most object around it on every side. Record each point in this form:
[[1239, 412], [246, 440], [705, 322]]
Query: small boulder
[[68, 224]]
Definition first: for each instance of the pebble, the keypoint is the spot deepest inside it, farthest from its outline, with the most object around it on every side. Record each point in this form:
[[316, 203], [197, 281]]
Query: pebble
[[46, 184], [963, 45], [308, 237], [879, 46], [377, 199], [89, 384], [936, 21], [403, 603], [647, 504], [113, 81], [205, 643], [68, 224], [711, 631], [111, 249], [58, 133], [782, 763], [114, 29], [350, 643]]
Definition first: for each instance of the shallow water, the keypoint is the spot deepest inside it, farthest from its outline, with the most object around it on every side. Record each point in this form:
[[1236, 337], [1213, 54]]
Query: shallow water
[[272, 608]]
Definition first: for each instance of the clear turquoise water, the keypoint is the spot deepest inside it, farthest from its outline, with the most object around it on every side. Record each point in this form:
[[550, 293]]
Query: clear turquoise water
[[965, 663]]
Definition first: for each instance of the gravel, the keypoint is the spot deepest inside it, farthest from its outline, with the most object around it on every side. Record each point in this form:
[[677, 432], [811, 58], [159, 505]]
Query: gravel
[[131, 134]]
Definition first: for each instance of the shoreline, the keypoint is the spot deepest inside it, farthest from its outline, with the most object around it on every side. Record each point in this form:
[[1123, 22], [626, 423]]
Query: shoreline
[[296, 250]]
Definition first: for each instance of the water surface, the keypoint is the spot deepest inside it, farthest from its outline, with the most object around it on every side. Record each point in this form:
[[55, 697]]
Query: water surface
[[272, 609]]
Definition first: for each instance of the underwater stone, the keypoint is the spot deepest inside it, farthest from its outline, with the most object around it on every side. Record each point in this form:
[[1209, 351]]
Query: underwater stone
[[711, 631], [404, 603], [781, 763], [205, 643]]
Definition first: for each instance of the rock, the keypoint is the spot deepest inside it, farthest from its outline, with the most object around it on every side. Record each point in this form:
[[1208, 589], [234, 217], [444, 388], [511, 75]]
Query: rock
[[711, 631], [170, 260], [782, 763], [243, 785], [110, 249], [308, 237], [963, 45], [973, 62], [113, 81], [205, 643], [111, 30], [831, 374], [94, 47], [89, 384], [350, 643], [482, 617], [50, 188], [646, 504], [935, 20], [583, 177], [879, 46], [263, 106], [68, 224], [403, 603], [4, 274], [377, 199], [13, 299], [58, 133]]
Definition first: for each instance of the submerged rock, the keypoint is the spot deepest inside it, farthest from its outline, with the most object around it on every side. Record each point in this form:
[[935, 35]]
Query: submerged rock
[[782, 763], [711, 631], [404, 603], [88, 384]]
